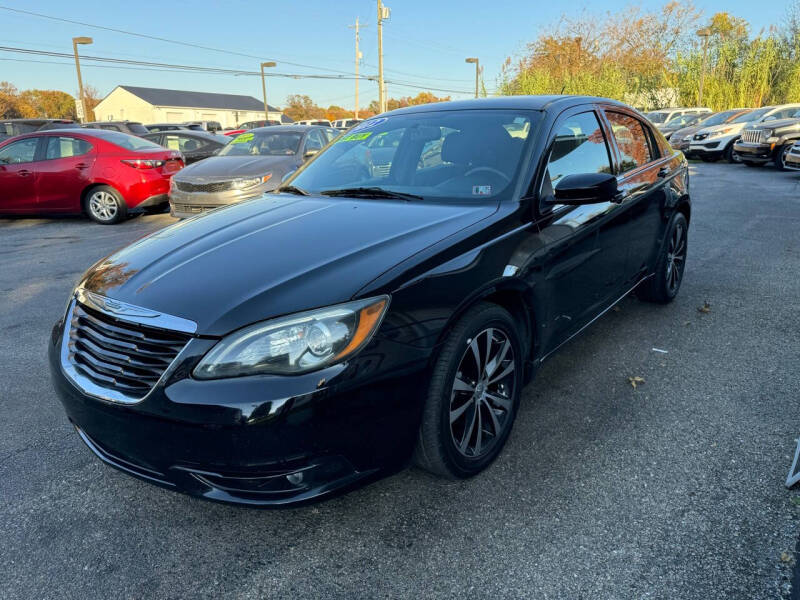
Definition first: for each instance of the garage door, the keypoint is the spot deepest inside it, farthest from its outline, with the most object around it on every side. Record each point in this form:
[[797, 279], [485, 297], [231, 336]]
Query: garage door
[[175, 117]]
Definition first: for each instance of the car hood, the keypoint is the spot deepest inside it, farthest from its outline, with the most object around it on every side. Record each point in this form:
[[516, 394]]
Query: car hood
[[734, 127], [691, 130], [226, 167], [272, 255], [777, 124]]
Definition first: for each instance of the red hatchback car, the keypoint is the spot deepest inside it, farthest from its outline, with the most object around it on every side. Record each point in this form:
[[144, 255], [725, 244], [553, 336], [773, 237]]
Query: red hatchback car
[[105, 174]]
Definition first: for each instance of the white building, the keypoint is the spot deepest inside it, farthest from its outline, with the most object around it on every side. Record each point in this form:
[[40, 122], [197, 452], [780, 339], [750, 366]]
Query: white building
[[154, 105]]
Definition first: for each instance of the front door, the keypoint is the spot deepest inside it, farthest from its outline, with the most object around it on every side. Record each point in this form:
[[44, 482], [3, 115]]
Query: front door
[[585, 246], [64, 173], [18, 176]]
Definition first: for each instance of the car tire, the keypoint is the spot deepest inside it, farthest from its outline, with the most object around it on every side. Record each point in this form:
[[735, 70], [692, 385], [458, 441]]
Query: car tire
[[103, 204], [729, 155], [665, 283], [750, 163], [473, 394], [780, 156]]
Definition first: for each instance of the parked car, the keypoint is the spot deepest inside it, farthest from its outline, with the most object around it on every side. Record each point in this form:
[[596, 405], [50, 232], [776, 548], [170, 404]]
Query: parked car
[[156, 127], [712, 143], [211, 126], [300, 343], [129, 127], [768, 141], [681, 138], [792, 159], [251, 164], [323, 122], [13, 127], [661, 117], [248, 126], [680, 122], [344, 124], [193, 145], [104, 174]]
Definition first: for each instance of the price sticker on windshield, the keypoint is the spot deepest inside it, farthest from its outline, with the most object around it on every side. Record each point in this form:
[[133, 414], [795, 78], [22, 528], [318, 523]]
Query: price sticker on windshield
[[481, 190], [356, 137], [243, 139]]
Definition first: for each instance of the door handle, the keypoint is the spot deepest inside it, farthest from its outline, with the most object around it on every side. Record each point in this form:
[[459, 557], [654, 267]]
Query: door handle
[[24, 173], [81, 166], [664, 171]]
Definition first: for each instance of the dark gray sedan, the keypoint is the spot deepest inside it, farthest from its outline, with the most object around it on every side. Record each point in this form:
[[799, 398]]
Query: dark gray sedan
[[251, 164]]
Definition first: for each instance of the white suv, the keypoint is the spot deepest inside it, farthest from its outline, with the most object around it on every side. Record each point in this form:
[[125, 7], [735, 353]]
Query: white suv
[[712, 143], [662, 116]]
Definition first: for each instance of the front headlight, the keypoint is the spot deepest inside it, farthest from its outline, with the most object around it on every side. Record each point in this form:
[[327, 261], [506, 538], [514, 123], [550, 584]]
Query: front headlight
[[241, 184], [687, 138], [720, 132], [297, 343], [767, 133]]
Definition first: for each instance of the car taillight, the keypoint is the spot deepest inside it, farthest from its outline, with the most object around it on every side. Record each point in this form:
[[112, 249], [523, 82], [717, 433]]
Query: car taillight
[[139, 163]]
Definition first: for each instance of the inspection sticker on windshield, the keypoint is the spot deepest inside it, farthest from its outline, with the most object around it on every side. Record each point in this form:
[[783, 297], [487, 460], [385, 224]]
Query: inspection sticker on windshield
[[241, 139], [371, 123], [356, 137], [481, 190]]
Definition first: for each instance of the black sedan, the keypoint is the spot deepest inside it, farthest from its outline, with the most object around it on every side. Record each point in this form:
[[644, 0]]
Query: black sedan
[[194, 145], [296, 344]]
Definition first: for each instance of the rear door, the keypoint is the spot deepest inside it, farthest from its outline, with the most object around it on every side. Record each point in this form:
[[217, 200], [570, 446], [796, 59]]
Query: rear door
[[18, 176], [642, 176], [64, 172]]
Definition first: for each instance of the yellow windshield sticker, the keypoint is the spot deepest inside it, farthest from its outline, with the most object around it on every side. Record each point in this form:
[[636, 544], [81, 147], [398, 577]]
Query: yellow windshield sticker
[[243, 139], [356, 137]]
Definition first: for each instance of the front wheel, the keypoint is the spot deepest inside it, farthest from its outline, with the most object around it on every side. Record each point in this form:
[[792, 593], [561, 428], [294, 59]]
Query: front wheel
[[104, 205], [473, 394], [663, 286], [780, 156]]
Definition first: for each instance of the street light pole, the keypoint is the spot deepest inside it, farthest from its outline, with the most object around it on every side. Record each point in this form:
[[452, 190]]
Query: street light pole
[[75, 42], [477, 72], [383, 14], [264, 88], [357, 27], [705, 34]]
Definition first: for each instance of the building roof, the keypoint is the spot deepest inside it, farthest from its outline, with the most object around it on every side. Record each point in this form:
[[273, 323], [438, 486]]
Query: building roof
[[181, 98]]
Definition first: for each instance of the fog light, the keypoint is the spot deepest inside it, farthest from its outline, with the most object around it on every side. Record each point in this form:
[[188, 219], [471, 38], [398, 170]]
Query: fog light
[[295, 478]]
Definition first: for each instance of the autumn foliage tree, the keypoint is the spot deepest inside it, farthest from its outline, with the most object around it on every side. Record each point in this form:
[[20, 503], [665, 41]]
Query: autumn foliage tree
[[52, 104], [394, 103]]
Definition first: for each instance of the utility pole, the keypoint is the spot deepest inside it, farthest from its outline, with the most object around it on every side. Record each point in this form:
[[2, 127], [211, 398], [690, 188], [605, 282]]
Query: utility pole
[[75, 42], [358, 60], [705, 34], [264, 88], [477, 71], [383, 14]]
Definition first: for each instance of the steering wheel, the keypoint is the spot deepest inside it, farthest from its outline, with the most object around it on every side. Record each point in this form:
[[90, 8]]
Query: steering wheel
[[490, 170]]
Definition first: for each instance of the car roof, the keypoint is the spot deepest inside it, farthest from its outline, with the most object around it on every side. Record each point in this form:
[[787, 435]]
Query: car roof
[[207, 135], [36, 121], [508, 102], [294, 128], [112, 122]]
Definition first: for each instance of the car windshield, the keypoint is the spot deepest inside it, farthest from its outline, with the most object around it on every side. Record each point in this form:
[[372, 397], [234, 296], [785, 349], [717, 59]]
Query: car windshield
[[752, 116], [448, 154], [137, 128], [716, 119], [263, 143], [12, 129], [129, 142], [657, 117]]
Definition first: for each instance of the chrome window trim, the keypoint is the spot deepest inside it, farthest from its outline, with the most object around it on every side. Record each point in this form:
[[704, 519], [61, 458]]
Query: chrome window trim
[[140, 316]]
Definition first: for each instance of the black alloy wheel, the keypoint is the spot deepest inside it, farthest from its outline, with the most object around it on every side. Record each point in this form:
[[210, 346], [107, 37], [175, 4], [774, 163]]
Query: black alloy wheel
[[665, 283]]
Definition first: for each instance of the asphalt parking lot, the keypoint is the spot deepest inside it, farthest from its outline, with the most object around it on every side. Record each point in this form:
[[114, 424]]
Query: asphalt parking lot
[[671, 490]]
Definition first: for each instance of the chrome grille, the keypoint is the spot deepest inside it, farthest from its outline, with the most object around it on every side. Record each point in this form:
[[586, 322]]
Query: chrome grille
[[193, 208], [752, 136], [206, 188], [127, 358]]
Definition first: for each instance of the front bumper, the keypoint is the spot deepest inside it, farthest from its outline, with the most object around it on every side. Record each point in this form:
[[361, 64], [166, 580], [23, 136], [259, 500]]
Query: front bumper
[[258, 441], [708, 148], [189, 204], [757, 153]]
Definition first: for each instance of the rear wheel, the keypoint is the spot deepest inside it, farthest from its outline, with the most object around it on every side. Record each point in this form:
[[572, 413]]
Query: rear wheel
[[473, 394], [663, 286], [104, 205]]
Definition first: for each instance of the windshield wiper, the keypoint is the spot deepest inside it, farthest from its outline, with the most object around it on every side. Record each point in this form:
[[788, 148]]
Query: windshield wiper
[[371, 192], [291, 189]]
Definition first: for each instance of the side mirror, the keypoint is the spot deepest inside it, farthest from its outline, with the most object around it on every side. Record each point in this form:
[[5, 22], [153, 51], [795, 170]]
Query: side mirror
[[309, 154], [586, 188]]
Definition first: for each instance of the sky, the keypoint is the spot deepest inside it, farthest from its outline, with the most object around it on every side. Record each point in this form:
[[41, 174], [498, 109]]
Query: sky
[[425, 42]]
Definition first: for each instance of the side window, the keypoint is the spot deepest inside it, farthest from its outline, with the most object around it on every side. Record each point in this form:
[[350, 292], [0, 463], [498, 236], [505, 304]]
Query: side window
[[22, 151], [579, 146], [65, 147], [314, 141], [633, 142]]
